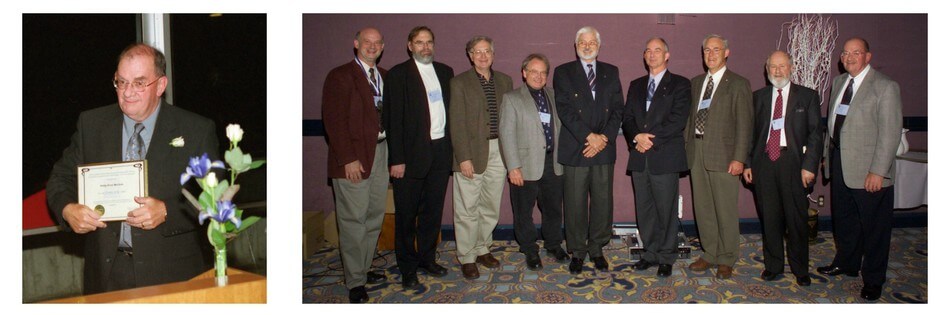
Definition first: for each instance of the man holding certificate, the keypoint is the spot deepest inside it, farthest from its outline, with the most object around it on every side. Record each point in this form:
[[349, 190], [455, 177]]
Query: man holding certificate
[[157, 240]]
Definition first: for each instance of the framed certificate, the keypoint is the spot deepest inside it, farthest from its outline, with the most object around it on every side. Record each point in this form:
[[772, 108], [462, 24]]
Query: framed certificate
[[110, 188]]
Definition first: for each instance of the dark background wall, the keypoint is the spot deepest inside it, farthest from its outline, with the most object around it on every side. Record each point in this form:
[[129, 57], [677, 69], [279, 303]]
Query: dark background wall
[[899, 43]]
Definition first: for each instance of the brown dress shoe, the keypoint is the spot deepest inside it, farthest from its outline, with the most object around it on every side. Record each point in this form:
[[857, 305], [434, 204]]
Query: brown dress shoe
[[488, 260], [725, 272], [470, 271], [700, 265]]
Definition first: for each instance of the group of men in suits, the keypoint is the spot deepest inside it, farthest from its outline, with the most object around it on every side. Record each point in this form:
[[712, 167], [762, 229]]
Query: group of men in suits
[[556, 147]]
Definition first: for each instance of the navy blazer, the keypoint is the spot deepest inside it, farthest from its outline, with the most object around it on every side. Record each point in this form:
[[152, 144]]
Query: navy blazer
[[666, 119], [406, 116], [581, 114], [803, 127]]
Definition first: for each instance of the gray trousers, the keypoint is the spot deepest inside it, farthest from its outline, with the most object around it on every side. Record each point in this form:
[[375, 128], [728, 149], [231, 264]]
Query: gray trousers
[[360, 212], [655, 198], [588, 229], [715, 204]]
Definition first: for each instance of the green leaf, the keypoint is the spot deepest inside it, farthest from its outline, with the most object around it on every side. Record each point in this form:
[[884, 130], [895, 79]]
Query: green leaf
[[256, 164], [221, 187], [237, 160], [206, 201], [247, 223]]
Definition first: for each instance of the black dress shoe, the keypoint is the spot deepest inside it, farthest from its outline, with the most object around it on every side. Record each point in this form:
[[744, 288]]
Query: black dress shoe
[[576, 265], [533, 261], [600, 263], [434, 269], [375, 277], [665, 270], [803, 281], [410, 281], [768, 275], [558, 254], [832, 270], [357, 295], [871, 292], [642, 264]]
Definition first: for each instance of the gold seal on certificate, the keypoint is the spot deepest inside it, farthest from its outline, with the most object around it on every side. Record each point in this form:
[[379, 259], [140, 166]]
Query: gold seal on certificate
[[110, 188]]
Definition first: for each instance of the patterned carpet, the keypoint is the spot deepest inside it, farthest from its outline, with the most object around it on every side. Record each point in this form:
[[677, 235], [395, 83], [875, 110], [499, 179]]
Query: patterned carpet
[[907, 279]]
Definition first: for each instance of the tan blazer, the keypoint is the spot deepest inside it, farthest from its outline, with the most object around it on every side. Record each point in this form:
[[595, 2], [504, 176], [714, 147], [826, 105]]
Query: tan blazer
[[728, 126], [469, 117], [521, 135], [871, 131]]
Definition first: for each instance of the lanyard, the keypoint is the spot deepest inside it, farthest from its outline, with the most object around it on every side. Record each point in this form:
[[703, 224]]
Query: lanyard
[[376, 88]]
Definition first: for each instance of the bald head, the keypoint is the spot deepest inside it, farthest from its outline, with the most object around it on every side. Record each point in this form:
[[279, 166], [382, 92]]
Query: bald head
[[369, 44], [780, 65]]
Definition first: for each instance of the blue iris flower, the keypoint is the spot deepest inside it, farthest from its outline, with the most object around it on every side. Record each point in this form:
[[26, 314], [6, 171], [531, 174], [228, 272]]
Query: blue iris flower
[[199, 167], [226, 211]]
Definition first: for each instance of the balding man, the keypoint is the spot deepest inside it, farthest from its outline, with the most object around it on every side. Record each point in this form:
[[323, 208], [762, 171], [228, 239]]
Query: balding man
[[160, 241], [864, 124], [786, 148], [357, 158]]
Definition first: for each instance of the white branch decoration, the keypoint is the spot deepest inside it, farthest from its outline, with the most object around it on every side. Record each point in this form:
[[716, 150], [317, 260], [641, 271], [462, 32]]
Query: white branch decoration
[[811, 40]]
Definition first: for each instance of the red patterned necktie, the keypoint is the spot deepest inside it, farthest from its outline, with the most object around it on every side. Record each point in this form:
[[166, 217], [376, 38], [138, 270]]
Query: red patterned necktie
[[774, 137]]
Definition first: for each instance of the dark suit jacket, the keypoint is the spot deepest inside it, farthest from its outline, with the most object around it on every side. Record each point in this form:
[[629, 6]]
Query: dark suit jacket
[[802, 126], [581, 114], [469, 117], [666, 119], [351, 120], [407, 116], [176, 250], [728, 127]]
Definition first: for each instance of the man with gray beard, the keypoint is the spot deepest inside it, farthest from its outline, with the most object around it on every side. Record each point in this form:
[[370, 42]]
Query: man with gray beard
[[787, 141], [416, 102]]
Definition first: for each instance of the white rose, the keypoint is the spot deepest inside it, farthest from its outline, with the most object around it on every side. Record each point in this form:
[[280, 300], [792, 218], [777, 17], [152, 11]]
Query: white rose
[[234, 133], [178, 142], [211, 180]]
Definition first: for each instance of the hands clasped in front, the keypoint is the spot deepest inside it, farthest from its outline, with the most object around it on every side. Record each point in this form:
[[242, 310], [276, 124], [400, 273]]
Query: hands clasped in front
[[595, 144], [82, 219]]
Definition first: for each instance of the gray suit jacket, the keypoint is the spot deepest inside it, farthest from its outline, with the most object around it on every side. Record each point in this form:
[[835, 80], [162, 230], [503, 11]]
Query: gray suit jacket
[[521, 135], [871, 131], [469, 117], [728, 126]]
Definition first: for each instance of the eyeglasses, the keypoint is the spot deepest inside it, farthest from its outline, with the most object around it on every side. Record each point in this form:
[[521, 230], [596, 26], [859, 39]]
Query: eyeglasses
[[420, 43], [536, 72], [481, 52], [714, 51], [855, 53], [136, 86], [587, 44]]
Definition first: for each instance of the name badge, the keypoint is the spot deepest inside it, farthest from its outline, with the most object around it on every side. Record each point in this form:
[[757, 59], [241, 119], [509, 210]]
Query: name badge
[[842, 109], [777, 124], [545, 118], [435, 96], [705, 103], [377, 101]]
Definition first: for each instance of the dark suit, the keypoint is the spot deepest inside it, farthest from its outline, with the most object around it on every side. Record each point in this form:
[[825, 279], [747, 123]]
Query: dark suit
[[588, 229], [352, 125], [869, 138], [419, 195], [727, 138], [176, 250], [655, 173], [779, 191]]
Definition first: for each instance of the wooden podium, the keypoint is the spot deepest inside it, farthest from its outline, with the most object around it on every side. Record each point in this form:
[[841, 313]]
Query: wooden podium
[[243, 287]]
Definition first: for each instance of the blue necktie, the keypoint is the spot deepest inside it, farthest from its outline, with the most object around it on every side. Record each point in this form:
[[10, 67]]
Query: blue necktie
[[134, 152], [591, 78], [650, 90]]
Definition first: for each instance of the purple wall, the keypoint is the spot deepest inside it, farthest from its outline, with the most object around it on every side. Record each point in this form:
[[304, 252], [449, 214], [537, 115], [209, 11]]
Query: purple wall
[[899, 43]]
